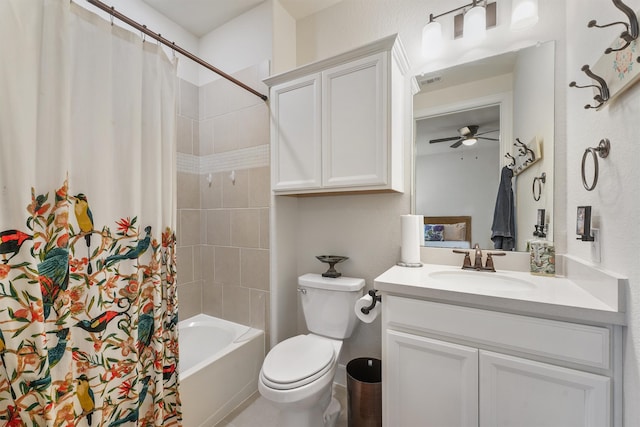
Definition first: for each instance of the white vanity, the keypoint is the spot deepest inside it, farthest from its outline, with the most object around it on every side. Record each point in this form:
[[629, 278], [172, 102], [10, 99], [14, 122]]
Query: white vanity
[[465, 350]]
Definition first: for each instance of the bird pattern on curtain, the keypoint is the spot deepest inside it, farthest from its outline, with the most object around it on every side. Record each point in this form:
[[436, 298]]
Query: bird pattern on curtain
[[88, 318]]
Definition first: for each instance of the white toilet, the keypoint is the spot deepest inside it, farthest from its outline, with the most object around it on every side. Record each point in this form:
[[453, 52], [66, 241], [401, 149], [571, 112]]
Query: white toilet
[[297, 374]]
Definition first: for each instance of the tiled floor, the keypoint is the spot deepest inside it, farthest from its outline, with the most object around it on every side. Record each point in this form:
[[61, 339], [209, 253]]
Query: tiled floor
[[257, 412]]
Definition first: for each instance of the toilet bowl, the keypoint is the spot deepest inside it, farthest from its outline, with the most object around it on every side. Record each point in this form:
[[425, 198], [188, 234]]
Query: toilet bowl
[[297, 374], [297, 378]]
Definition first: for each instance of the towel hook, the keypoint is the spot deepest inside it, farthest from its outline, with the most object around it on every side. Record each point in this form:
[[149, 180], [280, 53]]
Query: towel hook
[[631, 29], [602, 150], [512, 160], [542, 179], [525, 152], [603, 89]]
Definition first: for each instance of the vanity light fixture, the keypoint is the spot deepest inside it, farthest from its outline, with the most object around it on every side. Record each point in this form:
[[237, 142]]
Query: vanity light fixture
[[472, 24], [474, 20], [475, 23], [524, 14], [432, 41]]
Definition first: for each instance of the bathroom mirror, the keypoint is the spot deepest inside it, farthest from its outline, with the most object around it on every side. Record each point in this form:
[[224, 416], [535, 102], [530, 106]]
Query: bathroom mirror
[[468, 120]]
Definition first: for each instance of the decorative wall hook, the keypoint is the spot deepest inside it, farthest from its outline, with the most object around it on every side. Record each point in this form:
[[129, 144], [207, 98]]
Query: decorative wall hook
[[602, 150], [512, 160], [603, 89], [537, 190], [525, 151], [631, 29]]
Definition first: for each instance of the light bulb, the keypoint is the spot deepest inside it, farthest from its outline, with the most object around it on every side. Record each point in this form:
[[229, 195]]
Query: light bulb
[[475, 23], [432, 39], [524, 14], [469, 141]]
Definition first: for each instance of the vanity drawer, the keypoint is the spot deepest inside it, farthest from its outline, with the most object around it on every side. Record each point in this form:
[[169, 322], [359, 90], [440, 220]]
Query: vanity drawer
[[569, 342]]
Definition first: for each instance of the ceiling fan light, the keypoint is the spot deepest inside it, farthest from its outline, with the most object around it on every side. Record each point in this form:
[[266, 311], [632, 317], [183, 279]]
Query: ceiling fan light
[[469, 141]]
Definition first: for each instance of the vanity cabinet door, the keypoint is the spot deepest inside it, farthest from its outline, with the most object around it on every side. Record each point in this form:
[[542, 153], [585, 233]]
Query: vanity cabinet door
[[296, 134], [523, 393], [354, 123], [429, 382]]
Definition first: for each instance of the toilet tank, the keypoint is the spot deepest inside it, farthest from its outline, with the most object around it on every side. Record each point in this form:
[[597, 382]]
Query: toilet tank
[[328, 304]]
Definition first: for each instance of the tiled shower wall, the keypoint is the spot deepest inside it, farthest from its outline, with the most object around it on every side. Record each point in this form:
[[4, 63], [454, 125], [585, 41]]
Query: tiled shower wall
[[223, 200]]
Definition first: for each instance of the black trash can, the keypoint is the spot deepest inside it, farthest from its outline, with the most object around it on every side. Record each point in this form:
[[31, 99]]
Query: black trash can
[[364, 392]]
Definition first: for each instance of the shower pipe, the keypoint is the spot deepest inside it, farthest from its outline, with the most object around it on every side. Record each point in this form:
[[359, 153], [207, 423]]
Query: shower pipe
[[157, 36]]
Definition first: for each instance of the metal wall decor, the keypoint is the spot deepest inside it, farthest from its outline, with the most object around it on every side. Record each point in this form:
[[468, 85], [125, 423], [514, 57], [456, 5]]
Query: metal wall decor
[[527, 155], [602, 150], [615, 71]]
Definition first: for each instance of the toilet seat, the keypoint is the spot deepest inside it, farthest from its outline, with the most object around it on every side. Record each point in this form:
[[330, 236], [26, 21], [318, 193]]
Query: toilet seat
[[297, 361]]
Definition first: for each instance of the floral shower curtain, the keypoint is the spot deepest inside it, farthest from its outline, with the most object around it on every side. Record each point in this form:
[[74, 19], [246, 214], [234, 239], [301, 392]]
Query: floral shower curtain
[[88, 306]]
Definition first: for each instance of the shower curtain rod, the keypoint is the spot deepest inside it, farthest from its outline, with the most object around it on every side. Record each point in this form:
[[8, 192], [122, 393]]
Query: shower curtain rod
[[143, 28]]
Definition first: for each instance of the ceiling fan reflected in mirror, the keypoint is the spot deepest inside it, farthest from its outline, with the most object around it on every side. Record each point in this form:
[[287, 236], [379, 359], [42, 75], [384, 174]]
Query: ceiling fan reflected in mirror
[[468, 135]]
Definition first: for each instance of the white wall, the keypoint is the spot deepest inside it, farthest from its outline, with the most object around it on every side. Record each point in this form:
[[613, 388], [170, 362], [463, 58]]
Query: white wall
[[284, 40], [238, 44], [615, 201]]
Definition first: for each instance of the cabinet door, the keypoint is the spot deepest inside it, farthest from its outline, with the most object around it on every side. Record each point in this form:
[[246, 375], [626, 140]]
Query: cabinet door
[[355, 123], [522, 393], [296, 139], [429, 383]]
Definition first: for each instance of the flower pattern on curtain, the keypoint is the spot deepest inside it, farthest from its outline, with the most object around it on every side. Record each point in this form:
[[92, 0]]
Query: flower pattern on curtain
[[83, 340], [88, 303]]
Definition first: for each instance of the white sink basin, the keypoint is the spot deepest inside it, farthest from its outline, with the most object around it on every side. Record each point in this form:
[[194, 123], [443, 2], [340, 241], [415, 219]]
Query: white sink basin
[[482, 280]]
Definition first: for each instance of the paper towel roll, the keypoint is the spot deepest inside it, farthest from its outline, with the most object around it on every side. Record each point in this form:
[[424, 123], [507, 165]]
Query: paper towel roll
[[366, 301], [412, 230]]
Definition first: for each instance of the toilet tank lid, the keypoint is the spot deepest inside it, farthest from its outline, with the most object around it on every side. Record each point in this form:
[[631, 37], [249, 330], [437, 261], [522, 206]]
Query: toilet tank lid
[[345, 284]]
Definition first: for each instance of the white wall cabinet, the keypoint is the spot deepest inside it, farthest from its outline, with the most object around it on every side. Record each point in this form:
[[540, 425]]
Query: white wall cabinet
[[296, 150], [446, 365], [340, 125]]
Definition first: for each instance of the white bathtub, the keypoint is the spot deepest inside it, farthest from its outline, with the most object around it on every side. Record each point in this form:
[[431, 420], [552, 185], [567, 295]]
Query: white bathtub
[[219, 366]]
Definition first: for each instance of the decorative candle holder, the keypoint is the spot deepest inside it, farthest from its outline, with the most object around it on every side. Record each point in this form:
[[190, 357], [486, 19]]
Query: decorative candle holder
[[331, 260]]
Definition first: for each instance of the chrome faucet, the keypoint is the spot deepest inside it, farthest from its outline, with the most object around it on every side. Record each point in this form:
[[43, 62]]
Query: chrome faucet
[[477, 265]]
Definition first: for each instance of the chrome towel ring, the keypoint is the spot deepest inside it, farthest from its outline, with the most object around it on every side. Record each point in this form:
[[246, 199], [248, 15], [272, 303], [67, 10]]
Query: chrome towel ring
[[540, 180], [601, 150]]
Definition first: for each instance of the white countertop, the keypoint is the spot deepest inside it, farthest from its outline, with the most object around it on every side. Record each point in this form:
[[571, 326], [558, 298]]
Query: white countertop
[[550, 297]]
